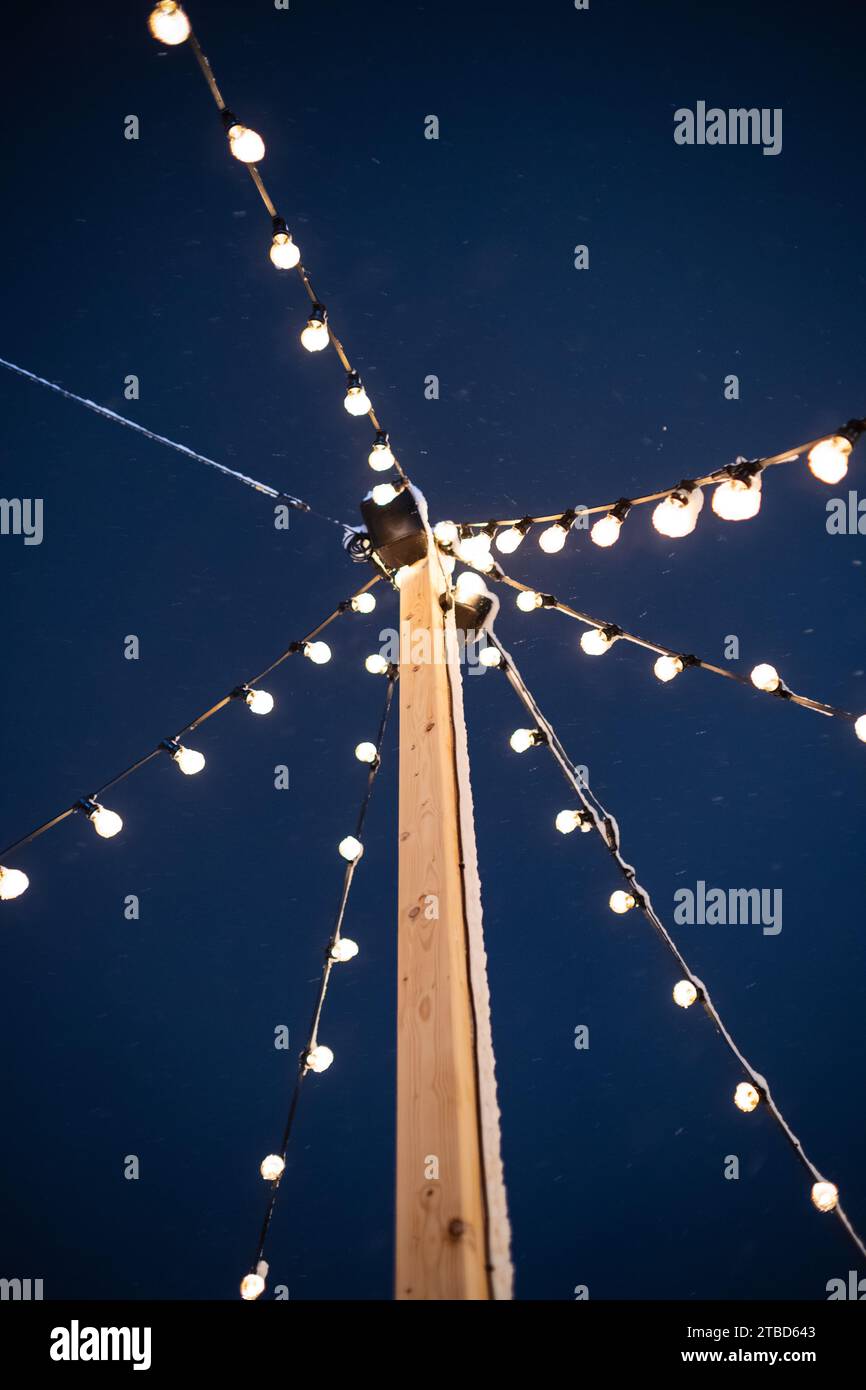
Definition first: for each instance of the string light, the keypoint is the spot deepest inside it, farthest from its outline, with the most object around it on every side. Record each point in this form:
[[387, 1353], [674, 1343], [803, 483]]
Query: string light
[[13, 882], [606, 530], [738, 498], [272, 1167], [677, 515], [746, 1097], [284, 253], [168, 23], [350, 848], [366, 752], [316, 335], [523, 739], [363, 603], [508, 541], [253, 1285], [381, 457], [319, 1058], [765, 677], [318, 652], [356, 401], [245, 144], [553, 538], [259, 701], [474, 550], [828, 461], [666, 667], [567, 821], [621, 901], [825, 1196], [685, 994], [344, 949], [597, 640]]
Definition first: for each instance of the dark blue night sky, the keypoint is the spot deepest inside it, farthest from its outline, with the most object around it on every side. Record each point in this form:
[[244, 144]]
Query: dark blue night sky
[[451, 257]]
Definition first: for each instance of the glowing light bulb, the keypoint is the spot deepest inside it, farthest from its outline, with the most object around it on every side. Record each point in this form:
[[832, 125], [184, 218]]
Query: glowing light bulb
[[351, 849], [667, 667], [383, 493], [746, 1098], [606, 530], [828, 460], [595, 641], [621, 902], [315, 336], [766, 677], [106, 823], [259, 701], [12, 883], [168, 23], [245, 144], [344, 949], [381, 457], [567, 821], [825, 1196], [272, 1167], [445, 532], [188, 760], [319, 1058], [376, 665], [738, 500], [366, 753], [318, 652], [522, 739], [284, 253], [469, 585], [401, 575], [685, 994], [860, 728], [553, 538], [677, 515], [490, 656], [528, 600], [475, 550], [252, 1287], [364, 603], [508, 541], [356, 400]]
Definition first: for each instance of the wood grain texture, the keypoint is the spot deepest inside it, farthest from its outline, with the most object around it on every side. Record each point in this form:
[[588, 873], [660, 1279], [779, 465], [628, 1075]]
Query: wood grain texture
[[441, 1246]]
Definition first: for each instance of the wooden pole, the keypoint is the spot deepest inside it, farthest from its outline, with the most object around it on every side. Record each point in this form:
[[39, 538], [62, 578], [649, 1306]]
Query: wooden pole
[[443, 1235]]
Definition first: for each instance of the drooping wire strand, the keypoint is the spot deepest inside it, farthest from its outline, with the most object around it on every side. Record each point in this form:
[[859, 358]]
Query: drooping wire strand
[[328, 965], [608, 830], [293, 649], [290, 501], [549, 601]]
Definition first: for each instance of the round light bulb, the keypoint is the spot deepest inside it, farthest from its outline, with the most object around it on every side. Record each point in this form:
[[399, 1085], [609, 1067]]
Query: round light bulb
[[736, 500], [351, 849], [246, 145], [401, 575], [667, 667], [621, 901], [272, 1167], [677, 515], [315, 335], [606, 531], [528, 600], [746, 1098], [469, 585], [825, 1196], [189, 760], [356, 401], [284, 253], [318, 652], [475, 550], [595, 642], [383, 493], [445, 532], [490, 656], [566, 821], [552, 539], [765, 677], [344, 949], [168, 23], [685, 994], [259, 701], [508, 541], [828, 460], [522, 739], [376, 665], [13, 882], [366, 752], [252, 1287], [364, 603], [860, 728], [106, 823], [381, 457], [319, 1058]]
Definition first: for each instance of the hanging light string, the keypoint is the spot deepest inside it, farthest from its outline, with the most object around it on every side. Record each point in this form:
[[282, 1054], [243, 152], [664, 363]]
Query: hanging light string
[[108, 823], [170, 24], [737, 497], [594, 816], [294, 502], [601, 635], [314, 1057]]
